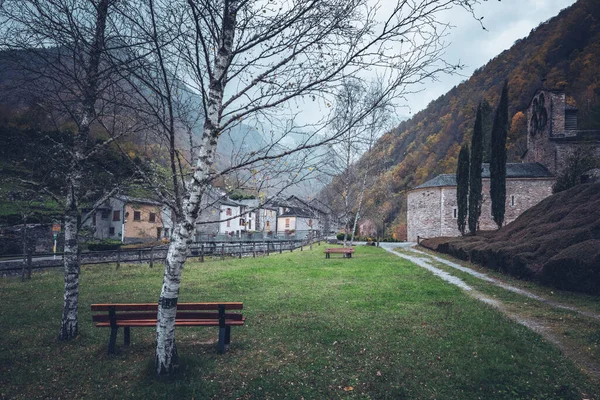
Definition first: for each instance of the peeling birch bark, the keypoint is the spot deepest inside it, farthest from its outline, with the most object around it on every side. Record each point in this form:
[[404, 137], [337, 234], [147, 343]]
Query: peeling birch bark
[[69, 322], [166, 349]]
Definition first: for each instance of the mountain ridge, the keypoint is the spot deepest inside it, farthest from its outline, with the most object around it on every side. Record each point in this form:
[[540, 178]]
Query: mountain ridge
[[561, 53]]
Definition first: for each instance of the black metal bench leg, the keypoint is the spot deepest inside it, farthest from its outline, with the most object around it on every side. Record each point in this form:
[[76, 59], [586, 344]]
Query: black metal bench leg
[[112, 341], [126, 336], [222, 340], [227, 337]]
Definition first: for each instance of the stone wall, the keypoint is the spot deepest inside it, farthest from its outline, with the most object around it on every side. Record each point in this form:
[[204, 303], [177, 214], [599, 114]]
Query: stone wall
[[551, 144], [423, 213], [431, 211], [539, 146], [142, 230]]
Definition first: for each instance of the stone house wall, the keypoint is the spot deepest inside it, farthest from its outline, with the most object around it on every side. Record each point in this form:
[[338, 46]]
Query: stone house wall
[[432, 212], [142, 229], [423, 213], [552, 143]]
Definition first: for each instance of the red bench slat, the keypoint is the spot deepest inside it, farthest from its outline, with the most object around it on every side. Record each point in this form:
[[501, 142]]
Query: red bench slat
[[154, 306]]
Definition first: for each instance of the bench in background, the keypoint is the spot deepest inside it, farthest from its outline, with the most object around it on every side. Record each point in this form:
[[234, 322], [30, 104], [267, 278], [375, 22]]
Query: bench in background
[[347, 252]]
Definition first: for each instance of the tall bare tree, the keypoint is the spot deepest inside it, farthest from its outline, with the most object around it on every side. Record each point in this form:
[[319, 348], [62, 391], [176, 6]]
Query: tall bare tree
[[256, 62], [59, 49]]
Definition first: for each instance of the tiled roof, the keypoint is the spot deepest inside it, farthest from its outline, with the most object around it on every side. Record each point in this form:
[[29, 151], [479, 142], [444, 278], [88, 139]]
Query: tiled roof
[[521, 170], [297, 212], [439, 181], [129, 199], [513, 170]]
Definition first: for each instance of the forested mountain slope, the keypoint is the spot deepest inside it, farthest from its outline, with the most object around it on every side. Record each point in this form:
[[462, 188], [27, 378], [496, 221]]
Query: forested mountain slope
[[565, 51]]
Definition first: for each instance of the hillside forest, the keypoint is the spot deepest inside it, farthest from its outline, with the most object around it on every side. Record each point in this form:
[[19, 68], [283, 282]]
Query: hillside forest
[[561, 53]]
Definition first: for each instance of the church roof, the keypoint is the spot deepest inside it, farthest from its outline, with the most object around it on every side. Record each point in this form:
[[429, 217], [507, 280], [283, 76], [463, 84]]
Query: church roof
[[521, 170], [439, 181], [513, 170]]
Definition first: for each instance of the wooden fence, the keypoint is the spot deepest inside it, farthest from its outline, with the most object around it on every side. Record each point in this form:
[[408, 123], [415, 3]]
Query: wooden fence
[[152, 255]]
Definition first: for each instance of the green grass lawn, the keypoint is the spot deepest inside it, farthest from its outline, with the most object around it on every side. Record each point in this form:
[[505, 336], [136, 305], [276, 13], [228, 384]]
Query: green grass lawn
[[373, 326]]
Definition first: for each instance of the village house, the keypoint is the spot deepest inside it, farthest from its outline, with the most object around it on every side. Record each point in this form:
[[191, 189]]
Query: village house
[[552, 136], [131, 220], [260, 218], [224, 218], [296, 218]]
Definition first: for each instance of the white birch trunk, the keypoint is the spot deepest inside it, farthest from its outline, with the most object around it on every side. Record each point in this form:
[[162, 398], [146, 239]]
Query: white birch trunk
[[360, 200], [166, 350], [69, 321]]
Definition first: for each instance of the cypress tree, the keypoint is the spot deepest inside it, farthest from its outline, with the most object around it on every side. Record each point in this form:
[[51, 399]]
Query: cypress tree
[[475, 173], [498, 159], [487, 119], [462, 187]]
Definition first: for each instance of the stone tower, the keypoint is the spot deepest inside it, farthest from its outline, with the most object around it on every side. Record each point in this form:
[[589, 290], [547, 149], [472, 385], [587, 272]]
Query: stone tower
[[552, 126]]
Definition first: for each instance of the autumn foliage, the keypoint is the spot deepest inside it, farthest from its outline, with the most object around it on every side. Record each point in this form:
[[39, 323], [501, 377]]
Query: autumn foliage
[[564, 50]]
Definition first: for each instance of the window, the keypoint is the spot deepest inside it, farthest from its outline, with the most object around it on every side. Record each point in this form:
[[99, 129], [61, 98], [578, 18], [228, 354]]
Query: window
[[310, 222], [454, 213], [228, 211], [242, 223], [158, 233], [111, 230], [166, 232], [268, 225], [228, 223], [287, 222], [105, 214], [116, 215], [137, 215], [512, 200], [152, 217]]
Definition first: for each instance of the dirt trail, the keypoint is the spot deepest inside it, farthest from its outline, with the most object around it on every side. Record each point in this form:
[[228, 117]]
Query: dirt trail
[[544, 328]]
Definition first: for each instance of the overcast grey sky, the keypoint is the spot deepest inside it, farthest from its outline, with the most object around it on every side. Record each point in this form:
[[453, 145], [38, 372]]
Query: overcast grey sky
[[468, 43], [505, 21]]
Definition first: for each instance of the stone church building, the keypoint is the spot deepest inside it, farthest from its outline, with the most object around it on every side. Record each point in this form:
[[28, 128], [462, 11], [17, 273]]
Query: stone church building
[[552, 136]]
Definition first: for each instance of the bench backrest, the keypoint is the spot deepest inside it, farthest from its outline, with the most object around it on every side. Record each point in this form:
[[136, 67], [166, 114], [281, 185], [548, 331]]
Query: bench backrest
[[154, 306], [340, 250], [148, 311]]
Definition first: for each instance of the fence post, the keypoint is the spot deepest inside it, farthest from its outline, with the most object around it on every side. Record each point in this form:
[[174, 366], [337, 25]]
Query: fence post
[[253, 250], [118, 257], [291, 246], [280, 245], [151, 257], [202, 252], [222, 251], [240, 255], [311, 245], [140, 256], [29, 264]]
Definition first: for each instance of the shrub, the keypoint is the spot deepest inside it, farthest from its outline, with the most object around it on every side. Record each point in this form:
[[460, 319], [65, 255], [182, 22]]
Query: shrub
[[106, 244], [340, 236]]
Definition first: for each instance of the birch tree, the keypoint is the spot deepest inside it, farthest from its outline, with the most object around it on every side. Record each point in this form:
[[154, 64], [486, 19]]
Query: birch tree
[[378, 120], [259, 63], [59, 50]]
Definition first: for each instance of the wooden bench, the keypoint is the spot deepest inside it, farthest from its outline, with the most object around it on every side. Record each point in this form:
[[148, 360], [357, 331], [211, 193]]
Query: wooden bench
[[347, 252], [141, 315]]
